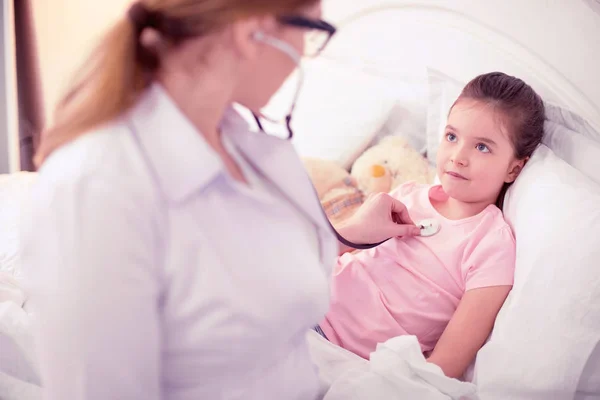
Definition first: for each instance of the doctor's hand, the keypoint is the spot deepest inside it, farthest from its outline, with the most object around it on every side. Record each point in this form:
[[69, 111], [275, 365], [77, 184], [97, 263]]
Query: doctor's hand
[[379, 218]]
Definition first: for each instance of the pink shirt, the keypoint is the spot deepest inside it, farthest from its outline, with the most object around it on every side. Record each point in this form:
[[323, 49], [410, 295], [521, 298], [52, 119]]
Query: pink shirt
[[413, 286]]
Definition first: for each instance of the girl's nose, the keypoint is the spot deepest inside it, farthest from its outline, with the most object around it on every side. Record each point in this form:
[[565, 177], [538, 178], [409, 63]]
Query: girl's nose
[[460, 158]]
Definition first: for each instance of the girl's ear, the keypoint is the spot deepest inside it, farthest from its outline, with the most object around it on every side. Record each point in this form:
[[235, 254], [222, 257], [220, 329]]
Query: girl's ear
[[515, 169]]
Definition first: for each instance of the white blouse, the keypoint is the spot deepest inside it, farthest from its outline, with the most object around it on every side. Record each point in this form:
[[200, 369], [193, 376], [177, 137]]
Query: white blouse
[[154, 275]]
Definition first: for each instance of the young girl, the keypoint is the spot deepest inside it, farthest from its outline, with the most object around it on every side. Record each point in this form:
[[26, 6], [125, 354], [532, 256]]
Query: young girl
[[447, 288]]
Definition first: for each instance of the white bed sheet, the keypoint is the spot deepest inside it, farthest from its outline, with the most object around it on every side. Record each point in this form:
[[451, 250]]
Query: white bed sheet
[[396, 370], [19, 375]]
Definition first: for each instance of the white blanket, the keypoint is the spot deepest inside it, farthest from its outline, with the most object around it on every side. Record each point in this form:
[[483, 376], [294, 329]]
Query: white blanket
[[19, 379], [396, 370]]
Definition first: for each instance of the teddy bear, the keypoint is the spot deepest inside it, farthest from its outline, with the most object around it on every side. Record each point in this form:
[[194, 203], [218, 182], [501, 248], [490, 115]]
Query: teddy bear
[[336, 188], [381, 168], [388, 164]]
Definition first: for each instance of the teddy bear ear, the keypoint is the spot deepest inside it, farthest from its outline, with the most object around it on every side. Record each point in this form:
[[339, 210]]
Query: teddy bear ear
[[394, 141]]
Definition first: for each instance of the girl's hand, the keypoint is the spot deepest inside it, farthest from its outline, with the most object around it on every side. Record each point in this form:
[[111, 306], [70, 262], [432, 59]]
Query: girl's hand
[[379, 218]]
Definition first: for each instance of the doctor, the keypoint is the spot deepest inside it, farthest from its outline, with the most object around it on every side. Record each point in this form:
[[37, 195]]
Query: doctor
[[170, 253]]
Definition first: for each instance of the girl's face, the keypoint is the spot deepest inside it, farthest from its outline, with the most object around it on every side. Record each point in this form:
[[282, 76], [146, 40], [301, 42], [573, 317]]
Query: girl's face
[[476, 156]]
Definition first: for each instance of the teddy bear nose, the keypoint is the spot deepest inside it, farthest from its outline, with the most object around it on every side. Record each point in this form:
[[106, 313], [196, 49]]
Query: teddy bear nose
[[377, 171]]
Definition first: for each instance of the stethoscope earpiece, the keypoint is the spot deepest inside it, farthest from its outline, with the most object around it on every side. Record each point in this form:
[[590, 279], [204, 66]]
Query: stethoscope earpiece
[[279, 45]]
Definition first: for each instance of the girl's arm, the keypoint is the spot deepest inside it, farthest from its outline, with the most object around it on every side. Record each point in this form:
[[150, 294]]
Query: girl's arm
[[468, 329]]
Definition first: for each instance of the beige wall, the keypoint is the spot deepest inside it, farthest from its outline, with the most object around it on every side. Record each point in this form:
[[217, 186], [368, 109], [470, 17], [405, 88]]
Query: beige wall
[[66, 32]]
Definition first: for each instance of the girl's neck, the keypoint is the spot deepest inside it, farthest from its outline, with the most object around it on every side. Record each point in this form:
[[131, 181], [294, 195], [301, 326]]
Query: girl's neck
[[455, 209]]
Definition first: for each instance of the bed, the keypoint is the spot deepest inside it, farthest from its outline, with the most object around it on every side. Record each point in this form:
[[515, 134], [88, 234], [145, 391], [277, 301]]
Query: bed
[[394, 68], [385, 48]]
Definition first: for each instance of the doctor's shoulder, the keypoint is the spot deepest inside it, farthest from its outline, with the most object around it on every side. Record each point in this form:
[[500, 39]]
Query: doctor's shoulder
[[108, 155]]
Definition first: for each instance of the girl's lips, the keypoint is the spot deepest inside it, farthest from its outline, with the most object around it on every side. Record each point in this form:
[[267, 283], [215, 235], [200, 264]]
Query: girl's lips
[[456, 175]]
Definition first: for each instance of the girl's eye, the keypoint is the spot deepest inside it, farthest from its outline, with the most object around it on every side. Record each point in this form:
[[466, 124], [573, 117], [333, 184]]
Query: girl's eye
[[482, 148], [451, 137]]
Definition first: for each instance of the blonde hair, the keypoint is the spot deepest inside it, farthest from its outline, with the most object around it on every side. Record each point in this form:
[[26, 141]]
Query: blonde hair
[[112, 79]]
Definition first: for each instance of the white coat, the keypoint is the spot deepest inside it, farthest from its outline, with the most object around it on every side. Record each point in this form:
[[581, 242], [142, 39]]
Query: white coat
[[153, 274]]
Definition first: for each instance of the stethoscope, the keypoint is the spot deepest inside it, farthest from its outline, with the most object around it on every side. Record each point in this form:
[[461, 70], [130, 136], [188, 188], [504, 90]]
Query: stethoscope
[[339, 237], [288, 50], [288, 125], [428, 227]]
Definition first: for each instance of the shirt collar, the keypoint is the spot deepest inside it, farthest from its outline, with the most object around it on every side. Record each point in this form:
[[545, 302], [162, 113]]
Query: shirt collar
[[182, 160], [184, 163]]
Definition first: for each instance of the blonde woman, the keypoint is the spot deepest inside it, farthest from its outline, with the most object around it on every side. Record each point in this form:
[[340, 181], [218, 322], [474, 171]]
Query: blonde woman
[[170, 252]]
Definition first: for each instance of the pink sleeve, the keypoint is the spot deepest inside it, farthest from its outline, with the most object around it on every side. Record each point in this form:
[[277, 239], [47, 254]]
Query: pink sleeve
[[491, 260]]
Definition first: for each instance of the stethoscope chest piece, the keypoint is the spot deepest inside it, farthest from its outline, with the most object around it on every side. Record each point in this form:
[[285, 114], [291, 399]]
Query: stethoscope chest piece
[[429, 227]]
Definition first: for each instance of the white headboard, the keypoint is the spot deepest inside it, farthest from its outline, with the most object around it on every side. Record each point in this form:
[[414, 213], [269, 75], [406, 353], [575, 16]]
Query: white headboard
[[9, 132], [552, 45]]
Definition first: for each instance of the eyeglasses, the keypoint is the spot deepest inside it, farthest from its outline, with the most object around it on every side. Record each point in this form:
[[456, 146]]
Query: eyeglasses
[[318, 33]]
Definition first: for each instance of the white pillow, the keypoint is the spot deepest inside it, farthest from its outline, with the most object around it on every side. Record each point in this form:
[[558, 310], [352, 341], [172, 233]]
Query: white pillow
[[573, 139], [408, 119], [341, 109], [442, 92], [550, 324], [14, 191]]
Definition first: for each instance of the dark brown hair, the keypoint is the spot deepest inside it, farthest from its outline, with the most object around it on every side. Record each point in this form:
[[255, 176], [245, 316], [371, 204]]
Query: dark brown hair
[[520, 106]]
